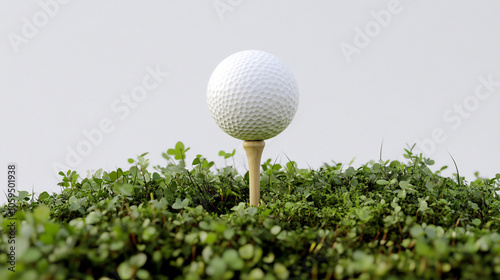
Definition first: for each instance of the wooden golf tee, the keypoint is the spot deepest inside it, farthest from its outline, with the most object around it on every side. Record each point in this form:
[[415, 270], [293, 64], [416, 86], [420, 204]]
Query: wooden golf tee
[[254, 152]]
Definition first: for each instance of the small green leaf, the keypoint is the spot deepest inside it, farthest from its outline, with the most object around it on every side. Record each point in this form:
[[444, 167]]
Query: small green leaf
[[42, 213], [364, 260], [196, 161], [424, 249], [429, 186], [404, 184], [207, 253], [281, 271], [256, 274], [148, 233], [231, 257], [93, 218], [269, 258], [216, 268], [113, 176], [125, 189], [143, 274], [179, 146], [156, 176], [349, 172], [423, 205], [275, 230], [382, 182], [416, 231], [125, 270], [246, 251], [178, 204], [229, 233], [239, 208], [211, 238], [43, 196], [32, 255], [473, 205], [22, 195], [138, 260], [364, 214], [76, 203]]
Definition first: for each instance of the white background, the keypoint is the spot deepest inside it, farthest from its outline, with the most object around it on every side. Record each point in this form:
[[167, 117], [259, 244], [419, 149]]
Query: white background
[[62, 77]]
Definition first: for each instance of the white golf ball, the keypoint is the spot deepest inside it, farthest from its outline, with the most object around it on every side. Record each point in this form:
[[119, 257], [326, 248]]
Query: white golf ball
[[252, 95]]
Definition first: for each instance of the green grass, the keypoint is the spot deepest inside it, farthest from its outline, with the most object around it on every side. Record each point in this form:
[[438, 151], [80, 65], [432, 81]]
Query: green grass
[[383, 220]]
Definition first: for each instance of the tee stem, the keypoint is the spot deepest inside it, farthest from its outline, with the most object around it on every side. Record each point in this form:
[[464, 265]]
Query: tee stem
[[254, 153]]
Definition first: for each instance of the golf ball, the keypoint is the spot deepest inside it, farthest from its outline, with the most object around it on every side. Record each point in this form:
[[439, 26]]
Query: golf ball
[[252, 95]]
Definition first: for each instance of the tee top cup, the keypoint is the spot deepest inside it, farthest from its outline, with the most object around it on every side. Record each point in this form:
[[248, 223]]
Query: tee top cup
[[252, 96]]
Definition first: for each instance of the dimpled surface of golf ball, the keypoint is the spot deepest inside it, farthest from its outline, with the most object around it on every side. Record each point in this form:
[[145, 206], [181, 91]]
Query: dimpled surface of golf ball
[[252, 95]]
